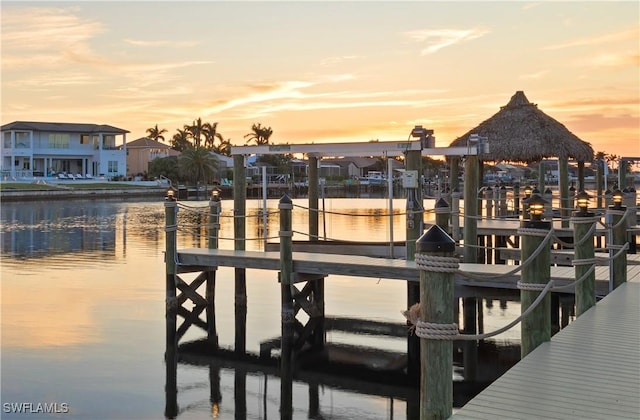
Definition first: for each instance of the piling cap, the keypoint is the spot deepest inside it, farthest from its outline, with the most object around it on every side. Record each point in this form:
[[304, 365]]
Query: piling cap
[[285, 199], [441, 203], [435, 240]]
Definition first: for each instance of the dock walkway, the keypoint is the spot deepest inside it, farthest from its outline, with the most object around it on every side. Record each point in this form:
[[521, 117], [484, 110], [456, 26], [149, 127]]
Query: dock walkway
[[386, 268], [589, 370]]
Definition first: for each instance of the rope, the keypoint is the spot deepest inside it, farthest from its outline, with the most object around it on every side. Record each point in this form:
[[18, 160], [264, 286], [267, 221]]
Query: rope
[[584, 261], [444, 331], [171, 228], [588, 235], [525, 263], [580, 280], [533, 287], [436, 264]]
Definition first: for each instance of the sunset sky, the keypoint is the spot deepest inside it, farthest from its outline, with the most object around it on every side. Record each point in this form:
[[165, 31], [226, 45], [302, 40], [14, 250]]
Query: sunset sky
[[324, 71]]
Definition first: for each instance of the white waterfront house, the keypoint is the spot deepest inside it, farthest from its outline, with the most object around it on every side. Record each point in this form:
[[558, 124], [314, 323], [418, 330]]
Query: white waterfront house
[[62, 150]]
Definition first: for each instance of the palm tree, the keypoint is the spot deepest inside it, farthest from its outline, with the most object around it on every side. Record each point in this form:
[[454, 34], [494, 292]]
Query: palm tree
[[196, 131], [155, 133], [197, 164], [259, 134], [224, 148], [180, 140], [211, 134]]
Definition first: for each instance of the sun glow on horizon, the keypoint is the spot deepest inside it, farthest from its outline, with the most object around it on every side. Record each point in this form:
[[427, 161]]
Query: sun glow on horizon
[[325, 72]]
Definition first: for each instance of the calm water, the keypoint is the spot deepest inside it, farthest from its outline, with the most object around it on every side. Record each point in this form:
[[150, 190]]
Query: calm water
[[83, 311]]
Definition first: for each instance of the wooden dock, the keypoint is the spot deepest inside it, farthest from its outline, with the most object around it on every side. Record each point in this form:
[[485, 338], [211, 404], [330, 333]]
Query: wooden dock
[[589, 370], [305, 263]]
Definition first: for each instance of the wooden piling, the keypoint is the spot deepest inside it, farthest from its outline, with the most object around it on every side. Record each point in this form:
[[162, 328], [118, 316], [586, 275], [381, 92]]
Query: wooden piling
[[585, 292], [436, 305], [239, 235], [470, 228], [288, 316], [470, 255], [455, 214], [516, 198], [442, 211], [171, 347], [214, 229], [414, 226], [314, 185], [563, 177], [541, 176], [536, 327], [616, 217]]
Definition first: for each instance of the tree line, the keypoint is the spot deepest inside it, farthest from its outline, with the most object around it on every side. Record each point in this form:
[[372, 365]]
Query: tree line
[[205, 135], [196, 141]]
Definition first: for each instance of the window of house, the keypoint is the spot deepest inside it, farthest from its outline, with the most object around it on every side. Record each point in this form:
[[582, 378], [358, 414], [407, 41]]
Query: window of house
[[108, 142], [85, 139], [23, 141], [113, 166], [59, 141], [7, 140]]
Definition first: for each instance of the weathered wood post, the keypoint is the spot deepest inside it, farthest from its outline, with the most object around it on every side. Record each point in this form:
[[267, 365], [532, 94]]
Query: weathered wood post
[[488, 196], [548, 206], [414, 228], [288, 316], [541, 175], [455, 214], [434, 258], [171, 348], [502, 201], [563, 178], [616, 221], [536, 328], [239, 244], [581, 175], [239, 393], [314, 186], [442, 211], [583, 228], [470, 228], [214, 229], [599, 183], [470, 255], [516, 198]]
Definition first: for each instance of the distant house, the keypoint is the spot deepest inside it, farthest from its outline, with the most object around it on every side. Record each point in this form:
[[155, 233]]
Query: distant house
[[144, 150], [46, 149]]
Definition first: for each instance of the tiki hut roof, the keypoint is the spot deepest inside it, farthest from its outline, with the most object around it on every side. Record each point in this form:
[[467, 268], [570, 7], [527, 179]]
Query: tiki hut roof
[[520, 132]]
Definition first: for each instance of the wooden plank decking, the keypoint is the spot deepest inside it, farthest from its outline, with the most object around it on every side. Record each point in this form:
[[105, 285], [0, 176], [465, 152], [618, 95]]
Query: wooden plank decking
[[361, 266], [589, 370]]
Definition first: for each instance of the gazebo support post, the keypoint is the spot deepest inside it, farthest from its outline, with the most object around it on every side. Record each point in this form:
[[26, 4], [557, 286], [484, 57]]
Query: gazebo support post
[[581, 175], [563, 175]]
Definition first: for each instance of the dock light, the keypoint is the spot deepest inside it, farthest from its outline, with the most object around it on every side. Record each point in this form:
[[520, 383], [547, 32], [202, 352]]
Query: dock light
[[536, 207], [215, 194], [582, 201], [170, 196], [616, 198]]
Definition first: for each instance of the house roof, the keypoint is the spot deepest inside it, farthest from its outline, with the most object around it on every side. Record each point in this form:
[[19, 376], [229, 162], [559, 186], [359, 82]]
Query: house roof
[[146, 142], [63, 127], [520, 132]]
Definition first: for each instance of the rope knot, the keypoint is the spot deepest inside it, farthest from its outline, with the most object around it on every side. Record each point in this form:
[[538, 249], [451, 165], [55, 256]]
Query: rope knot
[[433, 331]]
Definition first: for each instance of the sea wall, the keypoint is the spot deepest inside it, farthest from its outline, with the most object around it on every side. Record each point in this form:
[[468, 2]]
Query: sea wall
[[24, 195]]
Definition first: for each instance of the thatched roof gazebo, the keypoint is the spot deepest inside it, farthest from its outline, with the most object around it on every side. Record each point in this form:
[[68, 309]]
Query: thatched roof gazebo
[[520, 132]]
